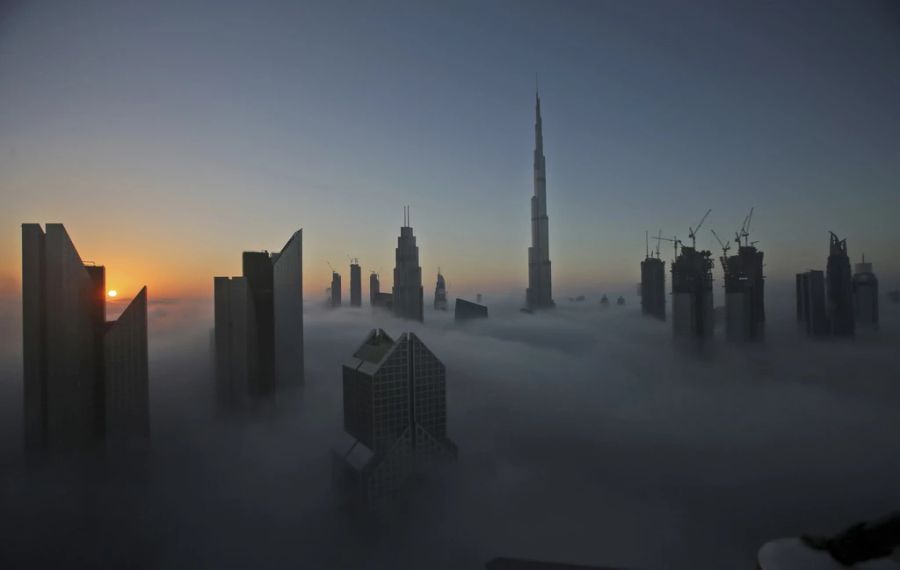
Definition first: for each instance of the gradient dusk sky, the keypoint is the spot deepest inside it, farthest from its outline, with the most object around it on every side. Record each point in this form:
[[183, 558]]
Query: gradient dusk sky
[[171, 136]]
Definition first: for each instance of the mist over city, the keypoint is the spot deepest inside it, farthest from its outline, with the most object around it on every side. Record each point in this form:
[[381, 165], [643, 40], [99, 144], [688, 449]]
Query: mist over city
[[504, 285]]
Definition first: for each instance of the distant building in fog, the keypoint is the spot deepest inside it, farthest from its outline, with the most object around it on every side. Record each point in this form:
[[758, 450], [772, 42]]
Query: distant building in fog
[[811, 309], [652, 289], [258, 336], [374, 287], [839, 288], [692, 294], [466, 310], [355, 284], [407, 296], [334, 291], [440, 293], [85, 379], [865, 295], [395, 414], [744, 294]]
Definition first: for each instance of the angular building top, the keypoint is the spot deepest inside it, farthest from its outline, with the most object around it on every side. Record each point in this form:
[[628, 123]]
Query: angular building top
[[407, 296], [84, 379]]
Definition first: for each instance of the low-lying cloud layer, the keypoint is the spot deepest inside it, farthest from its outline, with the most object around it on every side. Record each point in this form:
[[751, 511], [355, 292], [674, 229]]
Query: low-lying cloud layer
[[585, 436]]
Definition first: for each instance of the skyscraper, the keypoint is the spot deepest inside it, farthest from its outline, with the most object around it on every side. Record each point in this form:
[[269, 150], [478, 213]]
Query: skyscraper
[[653, 287], [539, 292], [335, 289], [865, 295], [407, 296], [395, 411], [744, 294], [692, 294], [440, 293], [812, 314], [85, 379], [355, 284], [258, 336], [839, 288]]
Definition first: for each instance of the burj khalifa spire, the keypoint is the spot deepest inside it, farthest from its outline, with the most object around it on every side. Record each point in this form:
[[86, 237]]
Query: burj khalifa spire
[[539, 293]]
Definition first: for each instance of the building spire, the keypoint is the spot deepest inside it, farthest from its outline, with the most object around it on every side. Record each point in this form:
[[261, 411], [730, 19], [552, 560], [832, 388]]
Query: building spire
[[538, 128]]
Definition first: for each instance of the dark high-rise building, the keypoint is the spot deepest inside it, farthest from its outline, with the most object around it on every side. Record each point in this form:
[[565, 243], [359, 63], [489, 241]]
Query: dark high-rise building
[[539, 293], [440, 293], [335, 289], [865, 295], [407, 295], [85, 379], [395, 411], [258, 335], [692, 294], [258, 271], [466, 310], [653, 287], [811, 309], [839, 288], [374, 288], [744, 294], [355, 284]]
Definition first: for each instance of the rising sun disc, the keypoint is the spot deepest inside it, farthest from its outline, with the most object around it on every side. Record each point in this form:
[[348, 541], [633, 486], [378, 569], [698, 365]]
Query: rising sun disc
[[112, 293]]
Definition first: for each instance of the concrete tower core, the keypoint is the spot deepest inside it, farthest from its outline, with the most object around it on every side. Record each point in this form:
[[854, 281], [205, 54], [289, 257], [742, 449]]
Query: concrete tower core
[[539, 292]]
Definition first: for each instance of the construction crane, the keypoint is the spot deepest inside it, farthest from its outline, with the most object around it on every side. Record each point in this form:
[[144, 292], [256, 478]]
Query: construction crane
[[692, 232], [725, 246], [675, 241], [353, 260], [658, 239]]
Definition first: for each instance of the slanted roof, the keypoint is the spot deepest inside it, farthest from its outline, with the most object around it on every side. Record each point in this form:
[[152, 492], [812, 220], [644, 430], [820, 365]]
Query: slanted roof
[[375, 347]]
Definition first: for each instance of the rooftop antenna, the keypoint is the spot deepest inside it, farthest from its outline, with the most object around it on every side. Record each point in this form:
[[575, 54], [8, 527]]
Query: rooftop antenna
[[692, 233], [647, 244]]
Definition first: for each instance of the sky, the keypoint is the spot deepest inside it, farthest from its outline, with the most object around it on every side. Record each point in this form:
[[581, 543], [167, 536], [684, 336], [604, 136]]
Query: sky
[[171, 136]]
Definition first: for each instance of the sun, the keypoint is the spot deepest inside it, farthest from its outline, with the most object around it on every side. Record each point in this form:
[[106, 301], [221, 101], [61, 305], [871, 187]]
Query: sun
[[112, 293]]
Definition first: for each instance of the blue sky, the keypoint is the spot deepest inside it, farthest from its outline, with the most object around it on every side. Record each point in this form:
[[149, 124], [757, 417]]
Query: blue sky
[[170, 136]]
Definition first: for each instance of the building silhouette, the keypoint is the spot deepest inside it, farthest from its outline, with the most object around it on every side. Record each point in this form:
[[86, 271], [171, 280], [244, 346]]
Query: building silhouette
[[395, 417], [692, 294], [466, 310], [258, 336], [86, 380], [334, 291], [407, 298], [440, 293], [355, 284], [839, 288], [653, 287], [744, 294], [865, 295], [812, 314], [539, 293], [374, 287]]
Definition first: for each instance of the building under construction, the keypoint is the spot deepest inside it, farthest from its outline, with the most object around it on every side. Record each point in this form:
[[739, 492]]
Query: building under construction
[[653, 284], [355, 284], [839, 288], [692, 294], [744, 287], [865, 295], [440, 293]]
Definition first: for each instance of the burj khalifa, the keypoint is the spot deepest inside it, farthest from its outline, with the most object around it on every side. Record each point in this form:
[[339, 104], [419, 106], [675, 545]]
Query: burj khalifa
[[539, 293]]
